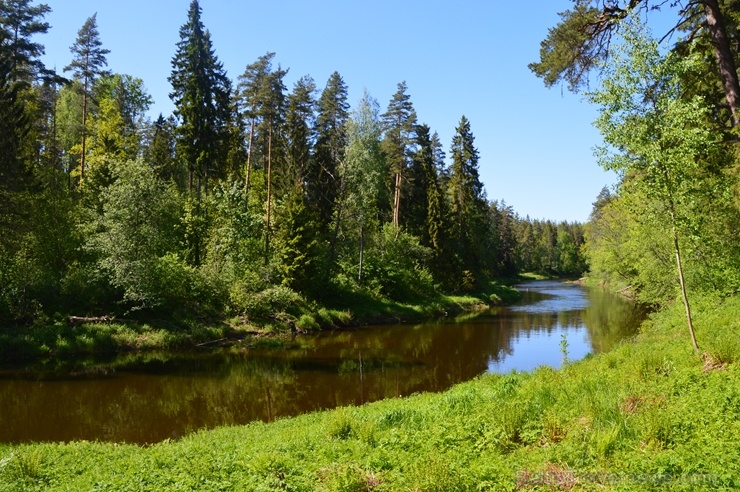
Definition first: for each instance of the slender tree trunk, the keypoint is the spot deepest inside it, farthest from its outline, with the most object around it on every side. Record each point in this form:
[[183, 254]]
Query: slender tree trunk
[[362, 251], [397, 201], [196, 235], [249, 165], [269, 196], [679, 266], [337, 221], [84, 132], [725, 60]]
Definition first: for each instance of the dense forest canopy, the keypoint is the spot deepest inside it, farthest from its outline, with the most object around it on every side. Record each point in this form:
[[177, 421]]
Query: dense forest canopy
[[250, 188]]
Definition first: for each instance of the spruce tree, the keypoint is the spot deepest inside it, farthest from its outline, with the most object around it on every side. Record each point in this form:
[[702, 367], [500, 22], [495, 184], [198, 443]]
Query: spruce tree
[[428, 215], [160, 153], [14, 174], [297, 231], [468, 206], [200, 92], [299, 126], [331, 141]]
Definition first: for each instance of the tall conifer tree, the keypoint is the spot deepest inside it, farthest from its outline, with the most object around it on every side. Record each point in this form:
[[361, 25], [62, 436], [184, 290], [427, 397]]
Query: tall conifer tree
[[400, 123], [200, 92], [20, 21], [428, 207], [249, 90], [14, 176], [87, 65], [331, 141], [468, 205], [297, 232]]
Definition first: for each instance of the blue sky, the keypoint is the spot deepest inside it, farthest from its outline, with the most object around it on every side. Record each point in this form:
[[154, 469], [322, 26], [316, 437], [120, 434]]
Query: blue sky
[[458, 58]]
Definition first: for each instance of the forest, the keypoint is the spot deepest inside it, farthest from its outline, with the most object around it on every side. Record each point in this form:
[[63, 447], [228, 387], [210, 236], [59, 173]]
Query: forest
[[249, 198], [252, 197]]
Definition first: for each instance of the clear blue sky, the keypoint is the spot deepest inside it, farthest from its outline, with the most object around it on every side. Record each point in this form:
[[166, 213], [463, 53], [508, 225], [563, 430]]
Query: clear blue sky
[[458, 58]]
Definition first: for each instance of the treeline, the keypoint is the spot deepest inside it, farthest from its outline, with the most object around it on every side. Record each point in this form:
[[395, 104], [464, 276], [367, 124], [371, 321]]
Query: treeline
[[248, 192]]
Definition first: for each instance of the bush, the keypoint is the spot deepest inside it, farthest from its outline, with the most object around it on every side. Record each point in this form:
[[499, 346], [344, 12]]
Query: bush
[[267, 303], [395, 266]]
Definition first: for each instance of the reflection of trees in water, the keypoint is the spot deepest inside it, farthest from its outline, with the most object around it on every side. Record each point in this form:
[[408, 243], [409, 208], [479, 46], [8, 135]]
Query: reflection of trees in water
[[609, 319], [159, 398]]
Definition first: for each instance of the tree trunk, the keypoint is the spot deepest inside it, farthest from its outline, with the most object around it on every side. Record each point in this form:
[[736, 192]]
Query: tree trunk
[[362, 251], [397, 201], [337, 221], [84, 132], [269, 196], [684, 296], [249, 166], [198, 212], [725, 59]]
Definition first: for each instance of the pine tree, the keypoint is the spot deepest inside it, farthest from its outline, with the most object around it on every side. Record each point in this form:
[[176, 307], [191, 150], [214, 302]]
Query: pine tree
[[400, 123], [20, 21], [87, 65], [249, 89], [262, 93], [582, 41]]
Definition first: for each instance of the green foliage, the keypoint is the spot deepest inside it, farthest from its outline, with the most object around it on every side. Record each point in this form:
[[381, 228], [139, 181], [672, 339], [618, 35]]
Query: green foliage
[[269, 303], [547, 248], [200, 93], [675, 192], [322, 185], [573, 47], [395, 266], [135, 233]]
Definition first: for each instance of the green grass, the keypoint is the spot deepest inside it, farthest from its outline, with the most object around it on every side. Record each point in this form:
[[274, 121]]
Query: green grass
[[63, 341], [271, 313], [649, 415]]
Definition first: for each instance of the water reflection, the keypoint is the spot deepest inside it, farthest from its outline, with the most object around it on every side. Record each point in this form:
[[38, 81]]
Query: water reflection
[[149, 398]]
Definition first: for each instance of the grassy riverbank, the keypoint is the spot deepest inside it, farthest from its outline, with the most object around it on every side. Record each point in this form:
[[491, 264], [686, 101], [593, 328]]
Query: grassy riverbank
[[648, 415], [274, 315]]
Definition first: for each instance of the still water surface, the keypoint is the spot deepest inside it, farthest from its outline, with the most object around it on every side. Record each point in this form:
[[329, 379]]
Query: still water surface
[[151, 397]]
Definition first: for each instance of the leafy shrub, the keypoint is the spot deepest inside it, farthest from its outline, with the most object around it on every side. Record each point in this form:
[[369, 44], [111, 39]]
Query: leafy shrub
[[269, 302], [395, 266]]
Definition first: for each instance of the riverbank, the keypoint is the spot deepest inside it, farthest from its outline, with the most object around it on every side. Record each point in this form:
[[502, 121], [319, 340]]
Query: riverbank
[[277, 316], [647, 415]]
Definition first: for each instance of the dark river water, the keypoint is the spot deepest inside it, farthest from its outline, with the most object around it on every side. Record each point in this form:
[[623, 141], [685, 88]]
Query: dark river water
[[147, 398]]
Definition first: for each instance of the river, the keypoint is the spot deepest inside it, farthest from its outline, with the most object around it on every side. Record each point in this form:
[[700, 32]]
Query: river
[[146, 398]]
